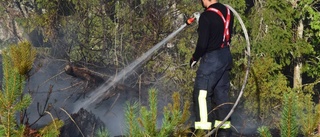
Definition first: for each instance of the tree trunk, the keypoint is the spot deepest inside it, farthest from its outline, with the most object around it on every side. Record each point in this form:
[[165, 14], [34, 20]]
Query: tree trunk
[[297, 79]]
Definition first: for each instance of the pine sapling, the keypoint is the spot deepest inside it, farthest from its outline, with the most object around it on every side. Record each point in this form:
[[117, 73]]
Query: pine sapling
[[288, 122], [264, 131]]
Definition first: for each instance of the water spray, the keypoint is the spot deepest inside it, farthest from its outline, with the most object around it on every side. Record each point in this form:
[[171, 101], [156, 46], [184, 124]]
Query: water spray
[[97, 95]]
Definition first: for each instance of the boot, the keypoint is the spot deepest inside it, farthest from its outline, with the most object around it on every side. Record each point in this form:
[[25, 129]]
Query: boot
[[224, 133]]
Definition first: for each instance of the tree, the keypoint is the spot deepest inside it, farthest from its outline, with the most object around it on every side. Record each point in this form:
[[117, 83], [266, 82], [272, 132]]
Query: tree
[[307, 29], [289, 125], [276, 48], [12, 98], [17, 62]]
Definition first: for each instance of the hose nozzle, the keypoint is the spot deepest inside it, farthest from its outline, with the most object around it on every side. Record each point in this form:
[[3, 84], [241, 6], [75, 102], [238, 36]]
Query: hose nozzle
[[195, 16], [190, 21]]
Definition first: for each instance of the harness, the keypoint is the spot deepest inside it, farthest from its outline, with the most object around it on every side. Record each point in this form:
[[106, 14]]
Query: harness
[[226, 35]]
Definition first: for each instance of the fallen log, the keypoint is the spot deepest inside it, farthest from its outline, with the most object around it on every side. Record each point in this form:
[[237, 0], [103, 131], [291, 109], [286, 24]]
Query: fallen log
[[85, 74]]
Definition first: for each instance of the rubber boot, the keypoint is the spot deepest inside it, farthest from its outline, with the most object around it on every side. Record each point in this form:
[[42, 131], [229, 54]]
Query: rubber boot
[[224, 133]]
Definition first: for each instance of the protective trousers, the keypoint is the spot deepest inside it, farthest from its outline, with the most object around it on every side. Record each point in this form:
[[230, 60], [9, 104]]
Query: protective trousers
[[211, 89]]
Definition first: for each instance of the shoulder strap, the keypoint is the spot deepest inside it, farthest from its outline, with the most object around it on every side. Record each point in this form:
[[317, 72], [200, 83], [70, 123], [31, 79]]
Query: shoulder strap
[[226, 21]]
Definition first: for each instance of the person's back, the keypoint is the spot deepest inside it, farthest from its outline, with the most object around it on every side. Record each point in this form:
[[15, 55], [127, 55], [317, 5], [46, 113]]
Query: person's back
[[211, 28]]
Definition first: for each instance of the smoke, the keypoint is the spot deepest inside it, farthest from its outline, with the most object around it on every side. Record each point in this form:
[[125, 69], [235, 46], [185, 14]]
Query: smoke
[[49, 77], [110, 110], [244, 125]]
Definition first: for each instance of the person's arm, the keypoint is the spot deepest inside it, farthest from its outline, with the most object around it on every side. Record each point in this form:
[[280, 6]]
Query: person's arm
[[203, 38]]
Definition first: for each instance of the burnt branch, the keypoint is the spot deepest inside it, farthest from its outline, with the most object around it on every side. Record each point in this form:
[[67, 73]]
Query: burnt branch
[[85, 74]]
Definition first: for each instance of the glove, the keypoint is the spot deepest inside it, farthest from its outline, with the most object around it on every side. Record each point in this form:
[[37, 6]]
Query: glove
[[193, 62], [197, 16]]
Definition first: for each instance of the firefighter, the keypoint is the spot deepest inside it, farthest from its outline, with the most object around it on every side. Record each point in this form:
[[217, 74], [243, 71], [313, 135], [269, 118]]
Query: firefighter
[[212, 83]]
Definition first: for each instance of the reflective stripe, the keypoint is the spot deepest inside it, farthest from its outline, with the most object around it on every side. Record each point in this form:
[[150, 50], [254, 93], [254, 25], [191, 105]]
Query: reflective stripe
[[225, 125], [203, 105], [203, 124]]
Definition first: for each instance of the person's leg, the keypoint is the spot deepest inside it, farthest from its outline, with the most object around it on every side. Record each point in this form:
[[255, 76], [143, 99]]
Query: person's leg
[[203, 95], [221, 97], [201, 106], [210, 71]]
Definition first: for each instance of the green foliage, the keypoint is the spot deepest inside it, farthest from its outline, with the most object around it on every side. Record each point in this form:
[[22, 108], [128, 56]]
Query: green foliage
[[308, 111], [317, 111], [46, 18], [175, 119], [311, 66], [90, 31], [148, 119], [52, 129], [273, 34], [299, 114], [17, 61], [265, 89], [23, 55], [132, 123], [269, 23], [306, 11], [264, 131], [308, 118], [2, 130], [102, 133], [145, 123], [12, 99], [289, 125]]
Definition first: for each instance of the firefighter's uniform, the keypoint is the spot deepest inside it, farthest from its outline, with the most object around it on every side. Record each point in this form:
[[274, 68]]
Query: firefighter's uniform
[[212, 82]]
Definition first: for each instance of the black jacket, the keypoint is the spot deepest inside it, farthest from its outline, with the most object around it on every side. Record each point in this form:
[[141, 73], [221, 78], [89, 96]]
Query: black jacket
[[211, 30]]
